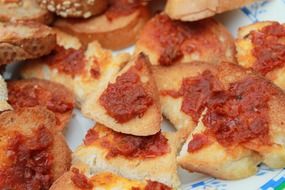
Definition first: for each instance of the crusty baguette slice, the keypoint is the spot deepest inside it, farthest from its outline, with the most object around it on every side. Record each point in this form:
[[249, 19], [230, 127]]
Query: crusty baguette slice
[[80, 70], [24, 10], [4, 105], [129, 103], [117, 33], [104, 180], [36, 92], [270, 61], [191, 10], [32, 132], [21, 41], [217, 161], [99, 158], [75, 8], [167, 41]]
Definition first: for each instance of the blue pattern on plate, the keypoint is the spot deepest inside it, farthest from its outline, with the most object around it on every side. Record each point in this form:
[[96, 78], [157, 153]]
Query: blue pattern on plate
[[254, 10], [274, 182]]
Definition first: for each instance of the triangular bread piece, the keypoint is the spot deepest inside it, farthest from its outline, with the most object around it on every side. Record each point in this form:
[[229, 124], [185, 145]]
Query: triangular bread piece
[[129, 103], [134, 157], [4, 105], [81, 69]]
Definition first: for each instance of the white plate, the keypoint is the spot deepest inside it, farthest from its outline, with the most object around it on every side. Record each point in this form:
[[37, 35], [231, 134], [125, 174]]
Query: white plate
[[265, 179]]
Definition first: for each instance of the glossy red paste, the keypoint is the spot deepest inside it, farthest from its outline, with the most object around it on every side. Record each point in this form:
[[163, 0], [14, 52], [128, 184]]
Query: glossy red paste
[[30, 162], [80, 180], [268, 48], [126, 98], [153, 185], [69, 61]]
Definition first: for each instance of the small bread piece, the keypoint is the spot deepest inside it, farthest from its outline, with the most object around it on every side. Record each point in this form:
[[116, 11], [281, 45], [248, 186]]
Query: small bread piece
[[103, 180], [215, 160], [24, 10], [4, 105], [21, 41], [80, 70], [129, 103], [261, 46], [37, 92], [243, 120], [167, 41], [117, 28], [133, 157], [75, 8], [191, 10], [31, 145]]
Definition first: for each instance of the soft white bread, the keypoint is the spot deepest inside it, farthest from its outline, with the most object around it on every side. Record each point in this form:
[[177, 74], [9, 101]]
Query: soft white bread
[[75, 8], [21, 41], [24, 10], [32, 132], [191, 10], [272, 50], [115, 32], [4, 105], [129, 103], [218, 161], [167, 41], [36, 92], [161, 168], [80, 70]]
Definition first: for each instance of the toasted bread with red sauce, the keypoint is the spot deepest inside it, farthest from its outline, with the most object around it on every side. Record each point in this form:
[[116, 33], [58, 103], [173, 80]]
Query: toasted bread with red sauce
[[129, 102], [238, 154], [132, 157], [79, 69], [31, 145], [167, 41], [117, 28], [261, 47], [36, 92]]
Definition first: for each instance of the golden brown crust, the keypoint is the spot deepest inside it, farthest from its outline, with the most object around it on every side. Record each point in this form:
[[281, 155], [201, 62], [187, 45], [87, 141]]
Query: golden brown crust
[[24, 41], [161, 168], [148, 123], [167, 41], [191, 10], [113, 34], [25, 121], [50, 95], [245, 52], [75, 8], [245, 157], [24, 10], [83, 82]]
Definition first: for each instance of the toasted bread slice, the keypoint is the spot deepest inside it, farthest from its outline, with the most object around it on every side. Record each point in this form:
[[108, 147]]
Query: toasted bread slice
[[24, 10], [80, 70], [129, 103], [261, 46], [75, 8], [215, 160], [30, 144], [103, 180], [23, 41], [133, 157], [242, 124], [36, 92], [167, 41], [191, 10], [115, 29], [4, 105]]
